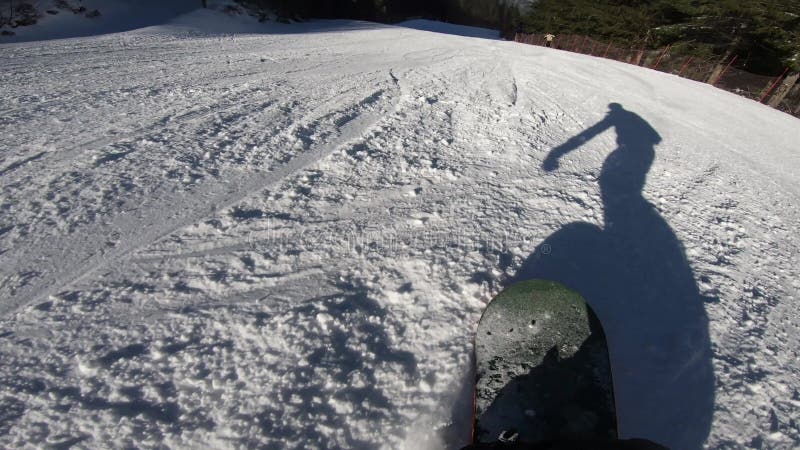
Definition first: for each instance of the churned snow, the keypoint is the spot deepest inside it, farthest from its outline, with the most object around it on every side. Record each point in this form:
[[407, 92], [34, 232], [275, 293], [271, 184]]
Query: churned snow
[[285, 239]]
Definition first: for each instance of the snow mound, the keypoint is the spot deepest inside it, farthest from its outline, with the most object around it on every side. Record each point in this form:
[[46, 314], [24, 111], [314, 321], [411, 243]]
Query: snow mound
[[449, 28], [115, 16]]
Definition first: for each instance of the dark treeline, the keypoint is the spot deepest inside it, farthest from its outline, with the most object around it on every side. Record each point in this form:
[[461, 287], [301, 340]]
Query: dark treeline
[[486, 13], [764, 34]]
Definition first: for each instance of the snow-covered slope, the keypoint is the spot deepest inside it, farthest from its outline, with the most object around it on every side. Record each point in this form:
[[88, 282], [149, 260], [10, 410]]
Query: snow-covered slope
[[286, 239]]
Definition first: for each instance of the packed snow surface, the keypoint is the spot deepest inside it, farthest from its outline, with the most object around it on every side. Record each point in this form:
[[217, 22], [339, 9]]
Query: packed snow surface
[[286, 239]]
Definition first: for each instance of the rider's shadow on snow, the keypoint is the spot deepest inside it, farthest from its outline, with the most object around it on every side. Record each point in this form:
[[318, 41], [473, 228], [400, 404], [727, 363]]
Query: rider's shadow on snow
[[634, 274]]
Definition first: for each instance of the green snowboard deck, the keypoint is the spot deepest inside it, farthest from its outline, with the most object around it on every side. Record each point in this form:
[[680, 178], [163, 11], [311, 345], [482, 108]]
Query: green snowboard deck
[[542, 367]]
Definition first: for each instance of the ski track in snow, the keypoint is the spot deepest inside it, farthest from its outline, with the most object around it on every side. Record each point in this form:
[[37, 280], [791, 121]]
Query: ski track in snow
[[286, 240]]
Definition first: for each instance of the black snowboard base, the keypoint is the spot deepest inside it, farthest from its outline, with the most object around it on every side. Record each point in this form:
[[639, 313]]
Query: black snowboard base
[[542, 367]]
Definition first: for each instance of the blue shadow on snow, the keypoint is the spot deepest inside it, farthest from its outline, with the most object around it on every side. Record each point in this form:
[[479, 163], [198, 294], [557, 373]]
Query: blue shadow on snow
[[635, 275]]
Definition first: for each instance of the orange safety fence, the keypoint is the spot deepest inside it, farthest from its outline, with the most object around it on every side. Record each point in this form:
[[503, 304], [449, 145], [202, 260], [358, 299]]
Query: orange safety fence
[[721, 74]]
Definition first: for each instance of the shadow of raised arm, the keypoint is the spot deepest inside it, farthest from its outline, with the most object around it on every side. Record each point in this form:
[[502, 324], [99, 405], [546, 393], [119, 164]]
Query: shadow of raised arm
[[551, 162]]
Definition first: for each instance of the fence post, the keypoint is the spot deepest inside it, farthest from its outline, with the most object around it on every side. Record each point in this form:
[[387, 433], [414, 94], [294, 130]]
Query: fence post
[[772, 86], [605, 54], [594, 45], [583, 44], [685, 65], [714, 83], [658, 61], [783, 90], [638, 58]]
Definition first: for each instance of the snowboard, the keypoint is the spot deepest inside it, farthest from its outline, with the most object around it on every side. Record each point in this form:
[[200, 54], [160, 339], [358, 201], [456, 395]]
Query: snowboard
[[542, 368]]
